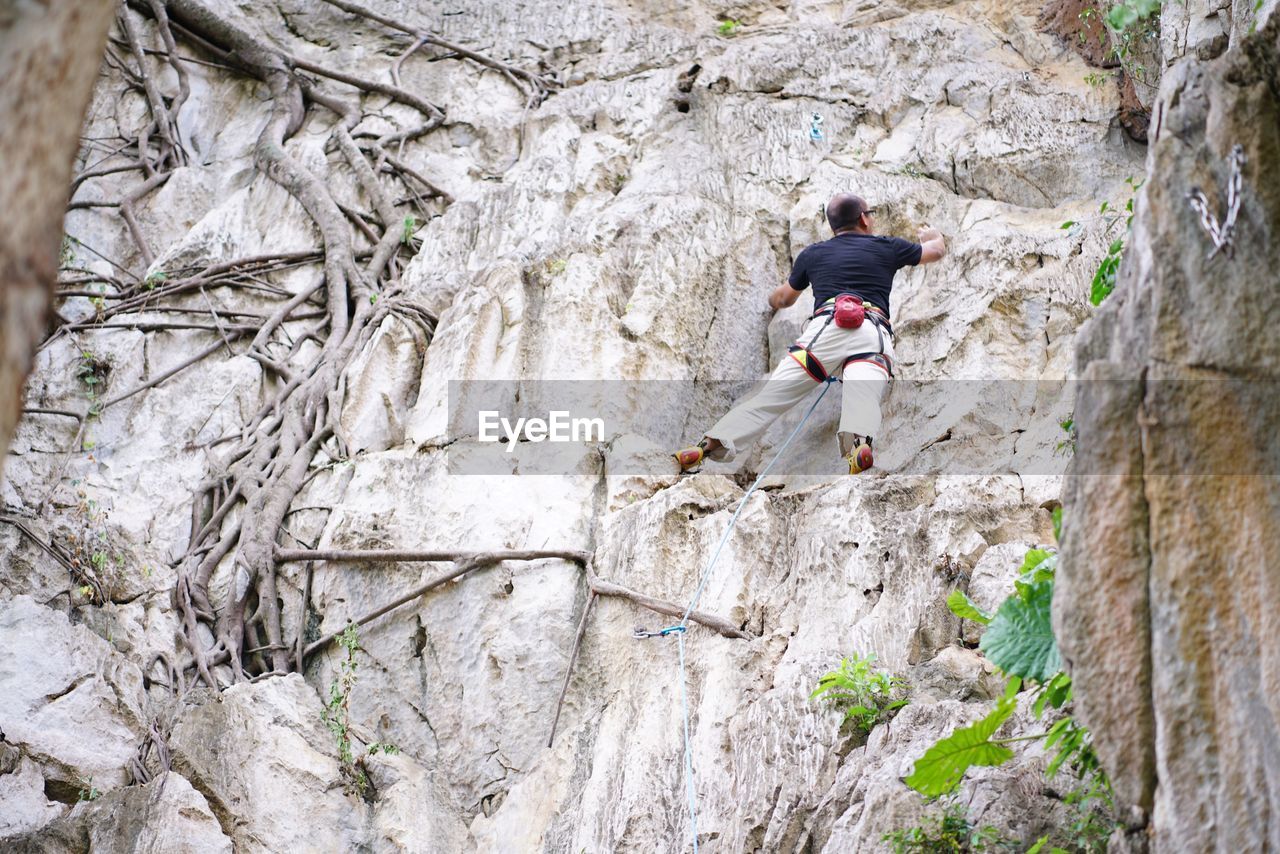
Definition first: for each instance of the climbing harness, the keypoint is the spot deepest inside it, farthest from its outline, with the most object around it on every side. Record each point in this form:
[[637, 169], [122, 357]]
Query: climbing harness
[[680, 628], [815, 128], [1221, 235], [803, 353]]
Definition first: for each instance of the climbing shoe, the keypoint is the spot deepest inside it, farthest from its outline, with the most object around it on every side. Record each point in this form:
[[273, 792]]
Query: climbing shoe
[[691, 458], [860, 458]]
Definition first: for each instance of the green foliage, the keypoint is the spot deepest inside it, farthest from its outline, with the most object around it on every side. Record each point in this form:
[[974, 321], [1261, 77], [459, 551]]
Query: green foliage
[[337, 710], [1127, 13], [868, 696], [962, 606], [1096, 79], [92, 371], [96, 565], [155, 279], [1019, 640], [408, 227], [944, 764], [556, 266], [948, 832], [67, 254], [729, 27], [1067, 446], [1104, 278], [383, 747], [1057, 523], [88, 792]]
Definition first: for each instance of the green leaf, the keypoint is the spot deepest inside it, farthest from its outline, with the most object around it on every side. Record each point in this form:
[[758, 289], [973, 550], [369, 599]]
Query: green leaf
[[1116, 247], [1020, 638], [1040, 843], [1068, 224], [1057, 524], [1122, 17], [962, 606], [1055, 693], [1037, 566], [943, 766]]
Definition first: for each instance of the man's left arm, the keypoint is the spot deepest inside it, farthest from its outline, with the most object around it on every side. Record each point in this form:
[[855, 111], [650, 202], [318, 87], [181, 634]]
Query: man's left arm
[[783, 295]]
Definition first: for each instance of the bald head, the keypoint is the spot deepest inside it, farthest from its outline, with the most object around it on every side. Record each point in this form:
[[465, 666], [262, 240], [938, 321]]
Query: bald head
[[845, 211]]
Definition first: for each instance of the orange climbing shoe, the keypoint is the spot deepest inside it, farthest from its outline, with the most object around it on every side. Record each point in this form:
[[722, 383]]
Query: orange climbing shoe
[[860, 458], [690, 458]]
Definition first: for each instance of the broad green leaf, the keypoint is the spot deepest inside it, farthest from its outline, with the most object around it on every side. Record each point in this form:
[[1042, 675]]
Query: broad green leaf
[[1034, 558], [1122, 17], [1039, 565], [1020, 638], [943, 766], [962, 606], [1057, 523]]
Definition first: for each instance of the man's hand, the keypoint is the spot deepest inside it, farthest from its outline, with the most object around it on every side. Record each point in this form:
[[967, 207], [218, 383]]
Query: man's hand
[[783, 295], [933, 247]]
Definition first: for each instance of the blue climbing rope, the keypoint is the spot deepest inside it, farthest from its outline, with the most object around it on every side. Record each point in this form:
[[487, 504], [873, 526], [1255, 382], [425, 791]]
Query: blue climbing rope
[[679, 629]]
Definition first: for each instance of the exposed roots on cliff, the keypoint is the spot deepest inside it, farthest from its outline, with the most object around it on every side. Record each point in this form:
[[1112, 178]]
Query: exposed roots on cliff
[[239, 513]]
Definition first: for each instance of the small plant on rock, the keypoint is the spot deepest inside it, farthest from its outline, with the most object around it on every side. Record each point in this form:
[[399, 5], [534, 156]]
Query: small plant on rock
[[1067, 446], [88, 792], [1019, 640], [729, 27], [867, 695], [1104, 278], [96, 565], [337, 712], [67, 254], [948, 832], [92, 371]]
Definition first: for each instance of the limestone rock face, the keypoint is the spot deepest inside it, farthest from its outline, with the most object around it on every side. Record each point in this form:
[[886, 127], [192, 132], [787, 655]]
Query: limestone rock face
[[1166, 614], [70, 701], [268, 768], [163, 816], [625, 233]]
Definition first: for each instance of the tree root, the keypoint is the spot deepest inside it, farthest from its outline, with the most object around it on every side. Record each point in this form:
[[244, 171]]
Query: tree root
[[239, 515]]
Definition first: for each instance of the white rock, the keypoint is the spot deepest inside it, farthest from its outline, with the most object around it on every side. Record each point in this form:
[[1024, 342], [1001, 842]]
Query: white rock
[[70, 701]]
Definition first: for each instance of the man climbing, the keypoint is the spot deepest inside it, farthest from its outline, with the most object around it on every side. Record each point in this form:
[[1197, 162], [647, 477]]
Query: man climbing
[[848, 335]]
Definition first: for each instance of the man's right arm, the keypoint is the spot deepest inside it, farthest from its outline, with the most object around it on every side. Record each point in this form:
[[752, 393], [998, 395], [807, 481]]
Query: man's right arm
[[932, 246]]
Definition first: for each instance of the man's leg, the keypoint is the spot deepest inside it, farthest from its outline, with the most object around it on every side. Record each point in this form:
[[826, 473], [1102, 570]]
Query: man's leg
[[747, 421], [864, 387]]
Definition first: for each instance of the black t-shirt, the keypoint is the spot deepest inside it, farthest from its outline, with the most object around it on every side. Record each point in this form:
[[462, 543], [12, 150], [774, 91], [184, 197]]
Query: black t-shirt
[[853, 263]]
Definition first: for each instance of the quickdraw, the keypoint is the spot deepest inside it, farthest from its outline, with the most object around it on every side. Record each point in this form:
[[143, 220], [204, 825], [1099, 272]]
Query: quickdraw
[[815, 128], [1221, 235]]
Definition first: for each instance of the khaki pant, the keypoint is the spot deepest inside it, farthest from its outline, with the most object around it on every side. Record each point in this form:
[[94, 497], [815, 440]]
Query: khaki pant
[[864, 387]]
